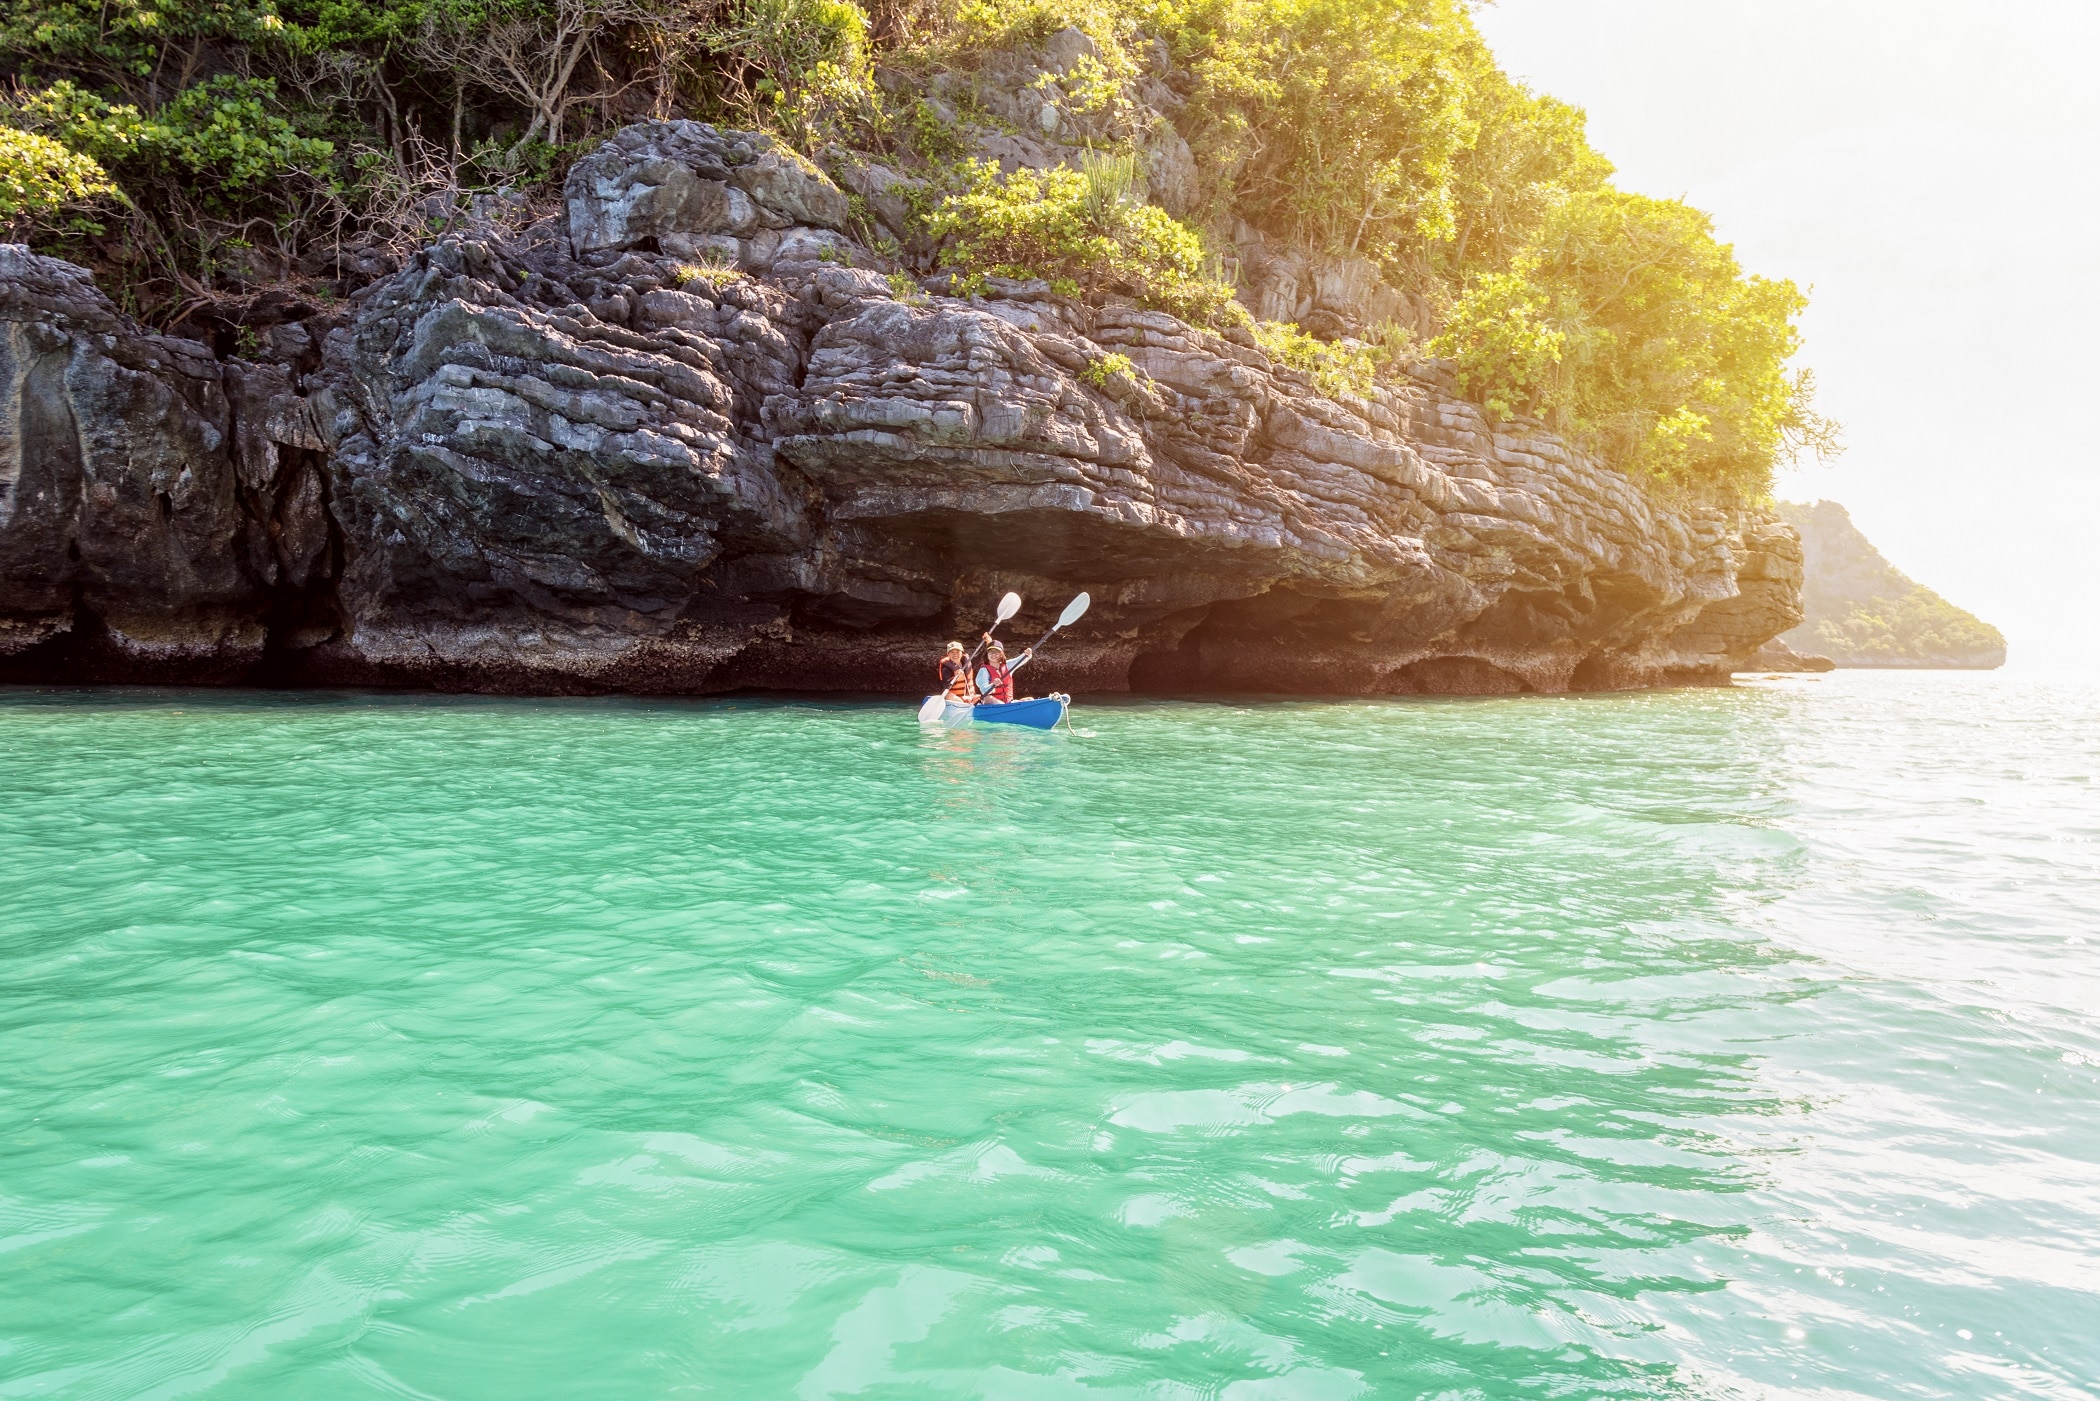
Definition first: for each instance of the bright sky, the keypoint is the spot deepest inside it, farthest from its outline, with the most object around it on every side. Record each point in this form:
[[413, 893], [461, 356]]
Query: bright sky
[[1931, 170]]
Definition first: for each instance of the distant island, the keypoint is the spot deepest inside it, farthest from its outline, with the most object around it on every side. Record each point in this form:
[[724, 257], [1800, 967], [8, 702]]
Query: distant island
[[1862, 611]]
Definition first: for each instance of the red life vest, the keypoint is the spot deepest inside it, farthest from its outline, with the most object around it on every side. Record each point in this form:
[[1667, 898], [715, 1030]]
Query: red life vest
[[1002, 691]]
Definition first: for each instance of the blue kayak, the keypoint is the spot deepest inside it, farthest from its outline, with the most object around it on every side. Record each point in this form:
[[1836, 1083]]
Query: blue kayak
[[1042, 713]]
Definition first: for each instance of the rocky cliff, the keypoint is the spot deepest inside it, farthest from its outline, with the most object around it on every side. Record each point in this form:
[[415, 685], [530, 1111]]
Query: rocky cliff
[[690, 436], [1861, 611]]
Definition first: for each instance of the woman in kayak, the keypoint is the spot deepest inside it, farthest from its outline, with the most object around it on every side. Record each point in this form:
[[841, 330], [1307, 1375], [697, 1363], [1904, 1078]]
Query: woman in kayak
[[1001, 691], [955, 675]]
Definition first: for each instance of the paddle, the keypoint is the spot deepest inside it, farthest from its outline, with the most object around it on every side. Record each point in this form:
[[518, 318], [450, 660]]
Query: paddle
[[934, 705], [1074, 611], [1009, 605]]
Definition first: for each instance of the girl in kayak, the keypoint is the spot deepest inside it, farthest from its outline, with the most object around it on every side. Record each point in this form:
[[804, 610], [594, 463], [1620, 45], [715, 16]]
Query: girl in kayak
[[955, 675], [1001, 691]]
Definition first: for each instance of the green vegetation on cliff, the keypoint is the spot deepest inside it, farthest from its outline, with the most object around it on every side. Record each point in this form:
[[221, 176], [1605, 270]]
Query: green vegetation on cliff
[[203, 151], [1863, 611], [1625, 322], [1077, 227]]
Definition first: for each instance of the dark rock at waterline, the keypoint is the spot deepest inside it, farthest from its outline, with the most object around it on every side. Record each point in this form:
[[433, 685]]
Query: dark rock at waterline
[[1777, 656], [688, 439], [133, 541]]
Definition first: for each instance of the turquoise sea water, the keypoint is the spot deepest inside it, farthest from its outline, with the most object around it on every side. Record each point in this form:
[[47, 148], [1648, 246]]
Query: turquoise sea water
[[1733, 1043]]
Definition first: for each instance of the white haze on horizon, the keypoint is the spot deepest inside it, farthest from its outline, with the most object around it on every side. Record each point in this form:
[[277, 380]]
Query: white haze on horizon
[[1931, 169]]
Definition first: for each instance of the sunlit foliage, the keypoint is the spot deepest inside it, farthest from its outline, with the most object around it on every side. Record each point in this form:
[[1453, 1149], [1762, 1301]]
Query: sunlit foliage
[[38, 176], [1625, 322], [1072, 227]]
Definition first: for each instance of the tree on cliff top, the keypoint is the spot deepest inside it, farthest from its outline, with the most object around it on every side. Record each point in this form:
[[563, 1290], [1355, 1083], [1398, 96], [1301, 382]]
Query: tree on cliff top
[[1623, 322]]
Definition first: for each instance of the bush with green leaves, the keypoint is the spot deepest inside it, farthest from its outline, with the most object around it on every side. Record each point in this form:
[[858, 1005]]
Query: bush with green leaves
[[1103, 371], [975, 25], [1342, 120], [39, 177], [227, 128], [1335, 367], [1062, 226], [804, 69], [147, 50]]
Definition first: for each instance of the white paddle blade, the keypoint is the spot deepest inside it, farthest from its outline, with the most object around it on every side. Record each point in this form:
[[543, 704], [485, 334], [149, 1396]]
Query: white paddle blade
[[931, 711], [1074, 611], [1008, 606]]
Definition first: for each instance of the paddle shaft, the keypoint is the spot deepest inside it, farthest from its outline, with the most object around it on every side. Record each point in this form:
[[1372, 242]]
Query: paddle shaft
[[1041, 640], [970, 662], [1074, 611]]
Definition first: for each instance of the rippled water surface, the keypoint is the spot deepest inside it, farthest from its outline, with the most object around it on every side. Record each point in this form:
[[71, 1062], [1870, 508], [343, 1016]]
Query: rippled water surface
[[1730, 1043]]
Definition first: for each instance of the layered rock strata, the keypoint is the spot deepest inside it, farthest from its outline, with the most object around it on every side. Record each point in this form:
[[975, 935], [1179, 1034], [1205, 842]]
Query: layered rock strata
[[690, 437]]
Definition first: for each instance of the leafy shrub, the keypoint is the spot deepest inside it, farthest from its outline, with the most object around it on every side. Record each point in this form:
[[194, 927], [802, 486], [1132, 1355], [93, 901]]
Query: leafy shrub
[[225, 128], [112, 41], [800, 66], [1508, 351], [1343, 119], [715, 275], [1089, 86], [1059, 225], [933, 136], [1336, 368], [1102, 371], [39, 176], [985, 24], [228, 127], [785, 39]]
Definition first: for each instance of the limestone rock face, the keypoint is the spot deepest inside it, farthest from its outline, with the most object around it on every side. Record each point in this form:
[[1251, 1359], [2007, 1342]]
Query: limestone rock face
[[684, 183], [568, 457], [130, 527], [536, 467], [1171, 176]]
